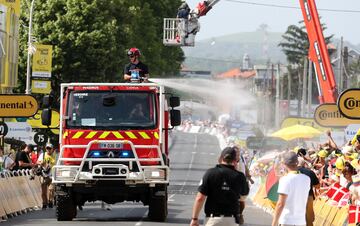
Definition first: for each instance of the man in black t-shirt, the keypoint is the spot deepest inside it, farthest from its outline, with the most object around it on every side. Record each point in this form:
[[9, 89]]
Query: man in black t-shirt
[[220, 190], [22, 160], [135, 71], [315, 185]]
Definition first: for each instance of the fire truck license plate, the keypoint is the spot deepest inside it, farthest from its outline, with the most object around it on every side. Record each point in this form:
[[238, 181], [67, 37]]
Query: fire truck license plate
[[110, 145]]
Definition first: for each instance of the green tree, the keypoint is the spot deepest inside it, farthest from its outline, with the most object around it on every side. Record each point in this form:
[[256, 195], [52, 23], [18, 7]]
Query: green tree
[[90, 38], [295, 45], [354, 73]]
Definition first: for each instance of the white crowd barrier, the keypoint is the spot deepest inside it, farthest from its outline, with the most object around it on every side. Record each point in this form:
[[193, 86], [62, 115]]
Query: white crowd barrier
[[18, 193]]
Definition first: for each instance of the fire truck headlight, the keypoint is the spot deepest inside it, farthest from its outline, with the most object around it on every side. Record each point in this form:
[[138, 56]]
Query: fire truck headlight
[[65, 173], [154, 173]]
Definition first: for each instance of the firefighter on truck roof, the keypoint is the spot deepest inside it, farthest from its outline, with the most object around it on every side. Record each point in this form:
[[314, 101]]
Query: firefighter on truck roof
[[135, 71]]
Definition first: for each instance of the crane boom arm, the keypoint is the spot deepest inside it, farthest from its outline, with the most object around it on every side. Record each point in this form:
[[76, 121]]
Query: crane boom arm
[[318, 53], [205, 6]]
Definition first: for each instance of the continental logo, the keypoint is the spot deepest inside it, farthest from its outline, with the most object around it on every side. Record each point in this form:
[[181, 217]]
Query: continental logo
[[328, 115], [349, 103], [111, 135]]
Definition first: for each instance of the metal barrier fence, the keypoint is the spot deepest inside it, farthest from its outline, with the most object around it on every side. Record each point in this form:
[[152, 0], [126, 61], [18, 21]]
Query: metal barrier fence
[[325, 214], [19, 193]]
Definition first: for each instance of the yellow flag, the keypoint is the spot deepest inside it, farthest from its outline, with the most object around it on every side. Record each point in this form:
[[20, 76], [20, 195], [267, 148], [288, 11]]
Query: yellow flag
[[354, 138]]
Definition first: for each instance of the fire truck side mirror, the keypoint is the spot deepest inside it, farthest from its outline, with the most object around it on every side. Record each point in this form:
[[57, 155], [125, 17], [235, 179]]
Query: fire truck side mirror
[[174, 102], [46, 117], [175, 117], [48, 101]]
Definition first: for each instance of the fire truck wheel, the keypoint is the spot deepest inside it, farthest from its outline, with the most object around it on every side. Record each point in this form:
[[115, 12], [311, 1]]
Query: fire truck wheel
[[158, 208], [65, 208]]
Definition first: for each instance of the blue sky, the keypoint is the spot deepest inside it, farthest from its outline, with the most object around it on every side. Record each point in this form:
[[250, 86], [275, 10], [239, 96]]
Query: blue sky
[[233, 16]]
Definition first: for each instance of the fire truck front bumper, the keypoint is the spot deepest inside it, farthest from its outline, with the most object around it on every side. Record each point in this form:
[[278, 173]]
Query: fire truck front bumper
[[150, 174]]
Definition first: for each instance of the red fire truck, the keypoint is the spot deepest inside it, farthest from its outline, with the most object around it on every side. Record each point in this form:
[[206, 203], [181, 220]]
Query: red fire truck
[[113, 145]]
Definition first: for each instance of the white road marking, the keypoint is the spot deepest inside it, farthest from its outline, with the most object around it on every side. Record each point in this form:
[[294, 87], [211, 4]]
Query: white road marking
[[170, 198], [189, 170], [140, 222], [196, 141]]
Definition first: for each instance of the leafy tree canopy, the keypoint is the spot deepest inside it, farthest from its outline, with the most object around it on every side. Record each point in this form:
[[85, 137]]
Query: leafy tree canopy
[[90, 37], [295, 43]]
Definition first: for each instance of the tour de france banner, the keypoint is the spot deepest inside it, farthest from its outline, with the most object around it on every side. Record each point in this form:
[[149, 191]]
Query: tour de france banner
[[42, 60]]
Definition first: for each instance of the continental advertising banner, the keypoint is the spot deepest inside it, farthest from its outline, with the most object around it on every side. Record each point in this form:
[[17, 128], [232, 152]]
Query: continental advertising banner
[[349, 103], [328, 115], [42, 60]]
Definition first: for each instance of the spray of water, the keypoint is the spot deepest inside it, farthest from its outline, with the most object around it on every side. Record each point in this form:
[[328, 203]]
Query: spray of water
[[221, 94]]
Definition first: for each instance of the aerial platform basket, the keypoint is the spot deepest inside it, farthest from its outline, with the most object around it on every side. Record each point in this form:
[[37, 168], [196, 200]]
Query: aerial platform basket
[[176, 34]]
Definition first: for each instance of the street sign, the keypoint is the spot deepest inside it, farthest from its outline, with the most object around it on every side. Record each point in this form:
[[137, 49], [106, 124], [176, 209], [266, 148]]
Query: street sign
[[40, 138], [349, 103], [254, 142], [3, 129], [17, 105], [328, 115], [41, 86], [265, 143]]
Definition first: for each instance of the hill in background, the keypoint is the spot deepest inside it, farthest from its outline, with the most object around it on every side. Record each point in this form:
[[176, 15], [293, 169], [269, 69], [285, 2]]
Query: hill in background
[[225, 52], [222, 53]]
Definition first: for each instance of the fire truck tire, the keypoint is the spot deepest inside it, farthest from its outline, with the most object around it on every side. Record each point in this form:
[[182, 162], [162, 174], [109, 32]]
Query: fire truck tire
[[158, 208], [65, 208]]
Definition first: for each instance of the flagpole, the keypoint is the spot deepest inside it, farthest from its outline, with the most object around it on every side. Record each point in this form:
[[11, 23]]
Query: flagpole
[[28, 90]]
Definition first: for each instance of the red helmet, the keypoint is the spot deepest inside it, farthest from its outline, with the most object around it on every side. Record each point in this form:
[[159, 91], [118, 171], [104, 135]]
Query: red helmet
[[134, 52]]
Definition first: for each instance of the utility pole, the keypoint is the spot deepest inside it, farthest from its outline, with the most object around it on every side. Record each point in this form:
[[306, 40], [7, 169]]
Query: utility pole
[[346, 67], [27, 90], [277, 99], [289, 87], [341, 68], [299, 93], [310, 88], [303, 99]]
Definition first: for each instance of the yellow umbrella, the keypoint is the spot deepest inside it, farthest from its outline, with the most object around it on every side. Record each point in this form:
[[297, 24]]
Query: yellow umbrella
[[296, 131]]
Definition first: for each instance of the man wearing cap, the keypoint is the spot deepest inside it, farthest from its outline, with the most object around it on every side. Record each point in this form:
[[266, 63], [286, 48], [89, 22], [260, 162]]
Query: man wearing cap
[[293, 194], [47, 160], [220, 190]]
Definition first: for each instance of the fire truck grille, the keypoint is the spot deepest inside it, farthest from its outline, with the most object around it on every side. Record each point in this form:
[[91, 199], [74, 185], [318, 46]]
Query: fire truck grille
[[134, 168], [110, 171]]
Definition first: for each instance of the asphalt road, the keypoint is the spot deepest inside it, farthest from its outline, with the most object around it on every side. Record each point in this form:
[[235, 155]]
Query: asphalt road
[[191, 155]]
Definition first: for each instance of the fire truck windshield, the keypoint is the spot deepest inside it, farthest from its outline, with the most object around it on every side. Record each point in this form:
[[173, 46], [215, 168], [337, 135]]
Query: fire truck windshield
[[111, 110]]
